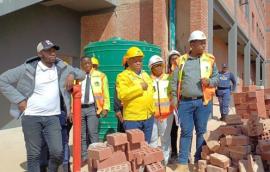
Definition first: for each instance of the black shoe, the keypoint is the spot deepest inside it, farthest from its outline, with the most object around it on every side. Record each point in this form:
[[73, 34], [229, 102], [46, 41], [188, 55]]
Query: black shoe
[[43, 168], [223, 118]]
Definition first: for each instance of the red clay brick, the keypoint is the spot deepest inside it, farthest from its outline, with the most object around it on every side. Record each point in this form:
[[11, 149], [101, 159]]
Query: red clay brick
[[117, 139], [232, 169], [233, 120], [237, 140], [202, 164], [242, 106], [115, 159], [239, 98], [230, 130], [249, 88], [223, 150], [99, 151], [135, 136], [212, 168], [241, 149], [211, 138], [205, 156], [152, 155], [124, 167], [220, 160], [236, 156], [265, 155], [155, 167], [133, 146], [264, 145]]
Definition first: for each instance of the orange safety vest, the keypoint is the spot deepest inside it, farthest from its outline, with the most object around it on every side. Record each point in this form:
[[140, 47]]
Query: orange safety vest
[[161, 98], [97, 79], [206, 65]]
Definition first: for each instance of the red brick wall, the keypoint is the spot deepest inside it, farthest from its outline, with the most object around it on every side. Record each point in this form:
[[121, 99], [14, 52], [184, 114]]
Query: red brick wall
[[199, 15], [145, 20]]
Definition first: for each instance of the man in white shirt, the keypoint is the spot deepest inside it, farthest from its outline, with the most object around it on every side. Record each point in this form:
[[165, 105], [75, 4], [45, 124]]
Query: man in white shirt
[[42, 91], [89, 113]]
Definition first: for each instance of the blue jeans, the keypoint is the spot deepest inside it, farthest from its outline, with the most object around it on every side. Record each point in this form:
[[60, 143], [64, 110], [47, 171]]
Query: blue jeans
[[224, 101], [146, 126], [192, 113], [34, 129]]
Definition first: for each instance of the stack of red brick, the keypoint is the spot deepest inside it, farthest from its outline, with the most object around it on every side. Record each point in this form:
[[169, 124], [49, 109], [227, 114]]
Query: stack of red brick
[[252, 102], [243, 144], [125, 152], [236, 146]]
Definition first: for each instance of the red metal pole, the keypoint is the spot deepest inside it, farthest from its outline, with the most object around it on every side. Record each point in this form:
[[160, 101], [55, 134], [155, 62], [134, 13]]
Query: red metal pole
[[77, 127]]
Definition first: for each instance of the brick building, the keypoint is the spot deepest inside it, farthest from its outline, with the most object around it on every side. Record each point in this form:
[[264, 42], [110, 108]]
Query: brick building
[[238, 30]]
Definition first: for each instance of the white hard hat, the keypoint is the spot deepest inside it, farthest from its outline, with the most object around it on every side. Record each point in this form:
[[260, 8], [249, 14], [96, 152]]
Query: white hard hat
[[155, 59], [174, 52], [197, 35]]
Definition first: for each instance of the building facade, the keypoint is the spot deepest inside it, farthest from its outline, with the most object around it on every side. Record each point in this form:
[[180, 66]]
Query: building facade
[[238, 31]]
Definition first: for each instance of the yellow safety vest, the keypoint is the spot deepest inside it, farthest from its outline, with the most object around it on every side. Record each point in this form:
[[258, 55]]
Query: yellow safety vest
[[99, 84], [161, 96], [206, 65]]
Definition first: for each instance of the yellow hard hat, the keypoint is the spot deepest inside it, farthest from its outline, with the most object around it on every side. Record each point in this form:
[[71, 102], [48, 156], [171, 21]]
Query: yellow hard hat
[[94, 61], [134, 52]]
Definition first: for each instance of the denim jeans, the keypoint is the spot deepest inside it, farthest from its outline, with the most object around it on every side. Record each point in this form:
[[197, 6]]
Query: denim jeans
[[34, 129], [162, 129], [192, 113], [224, 101], [89, 129], [146, 126]]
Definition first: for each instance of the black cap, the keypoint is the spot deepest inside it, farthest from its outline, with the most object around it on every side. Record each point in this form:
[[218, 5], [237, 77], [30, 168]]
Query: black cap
[[45, 45]]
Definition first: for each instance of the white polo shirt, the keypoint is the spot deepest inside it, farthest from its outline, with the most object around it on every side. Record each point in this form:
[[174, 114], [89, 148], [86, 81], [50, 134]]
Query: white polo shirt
[[45, 100], [91, 97]]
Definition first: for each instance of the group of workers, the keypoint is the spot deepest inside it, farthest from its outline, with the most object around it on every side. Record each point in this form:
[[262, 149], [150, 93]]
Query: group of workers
[[157, 103]]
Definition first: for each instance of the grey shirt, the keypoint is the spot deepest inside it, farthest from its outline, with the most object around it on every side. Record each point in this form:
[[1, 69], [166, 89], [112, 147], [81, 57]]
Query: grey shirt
[[191, 84], [191, 79]]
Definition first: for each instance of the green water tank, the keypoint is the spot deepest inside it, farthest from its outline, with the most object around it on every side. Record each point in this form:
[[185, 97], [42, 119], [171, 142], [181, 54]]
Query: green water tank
[[110, 54]]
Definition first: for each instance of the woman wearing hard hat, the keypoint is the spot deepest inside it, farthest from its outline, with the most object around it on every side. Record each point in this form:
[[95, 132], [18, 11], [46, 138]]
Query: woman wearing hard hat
[[134, 88], [163, 110]]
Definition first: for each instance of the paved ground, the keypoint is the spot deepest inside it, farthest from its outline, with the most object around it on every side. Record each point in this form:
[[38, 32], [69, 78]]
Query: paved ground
[[13, 154]]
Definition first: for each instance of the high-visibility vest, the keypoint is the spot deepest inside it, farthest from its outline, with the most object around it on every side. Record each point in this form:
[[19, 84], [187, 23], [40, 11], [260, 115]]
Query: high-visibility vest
[[161, 96], [206, 65], [99, 85]]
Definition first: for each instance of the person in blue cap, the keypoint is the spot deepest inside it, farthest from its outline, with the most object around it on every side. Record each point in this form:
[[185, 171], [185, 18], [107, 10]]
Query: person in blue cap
[[227, 84]]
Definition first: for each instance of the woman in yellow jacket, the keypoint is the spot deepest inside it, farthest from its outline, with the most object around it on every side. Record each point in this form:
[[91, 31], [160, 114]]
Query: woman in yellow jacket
[[134, 88]]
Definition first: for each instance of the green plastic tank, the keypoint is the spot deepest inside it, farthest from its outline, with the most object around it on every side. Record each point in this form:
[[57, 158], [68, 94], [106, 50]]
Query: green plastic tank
[[110, 54]]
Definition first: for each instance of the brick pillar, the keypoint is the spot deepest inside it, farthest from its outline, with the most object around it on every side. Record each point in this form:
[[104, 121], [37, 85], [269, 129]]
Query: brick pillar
[[160, 25], [199, 16]]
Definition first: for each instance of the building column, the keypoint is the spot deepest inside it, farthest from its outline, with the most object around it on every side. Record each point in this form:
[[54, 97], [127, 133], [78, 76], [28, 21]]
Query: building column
[[232, 49], [264, 74], [210, 25], [247, 64], [258, 70]]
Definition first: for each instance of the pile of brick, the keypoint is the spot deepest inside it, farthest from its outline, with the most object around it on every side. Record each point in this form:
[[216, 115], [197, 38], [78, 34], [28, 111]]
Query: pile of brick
[[125, 152], [243, 144]]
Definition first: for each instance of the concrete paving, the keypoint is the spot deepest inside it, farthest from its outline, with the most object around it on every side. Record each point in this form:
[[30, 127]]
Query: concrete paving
[[13, 153]]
